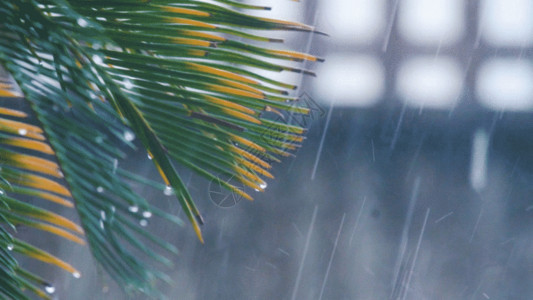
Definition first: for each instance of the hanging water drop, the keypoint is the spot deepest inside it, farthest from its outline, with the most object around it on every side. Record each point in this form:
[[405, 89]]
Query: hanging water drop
[[82, 22], [129, 136], [102, 215], [115, 165], [127, 84], [23, 131], [76, 275], [2, 192], [168, 191], [100, 189], [10, 247], [50, 289], [147, 214], [149, 156], [262, 186], [133, 208], [97, 60], [143, 223]]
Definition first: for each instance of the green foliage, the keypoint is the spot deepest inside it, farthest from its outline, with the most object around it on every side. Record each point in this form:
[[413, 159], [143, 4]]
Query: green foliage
[[181, 76]]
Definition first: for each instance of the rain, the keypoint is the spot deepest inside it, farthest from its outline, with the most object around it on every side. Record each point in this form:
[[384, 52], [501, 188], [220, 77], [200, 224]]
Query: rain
[[400, 190]]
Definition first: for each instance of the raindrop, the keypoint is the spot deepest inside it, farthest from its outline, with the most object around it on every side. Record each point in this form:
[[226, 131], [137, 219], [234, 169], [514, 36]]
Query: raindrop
[[82, 22], [113, 209], [147, 214], [60, 174], [97, 60], [128, 85], [10, 247], [1, 192], [23, 131], [101, 224], [50, 289], [262, 186], [76, 275], [100, 189], [102, 215], [129, 136], [168, 191], [133, 208], [115, 165], [143, 223], [150, 156], [99, 139]]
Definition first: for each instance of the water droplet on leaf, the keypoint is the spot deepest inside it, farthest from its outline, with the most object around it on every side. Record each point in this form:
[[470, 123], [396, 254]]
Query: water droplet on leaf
[[147, 214], [133, 208], [168, 191], [23, 131], [82, 22], [143, 223], [10, 247], [97, 60], [50, 289], [129, 136], [100, 189], [76, 275], [127, 84]]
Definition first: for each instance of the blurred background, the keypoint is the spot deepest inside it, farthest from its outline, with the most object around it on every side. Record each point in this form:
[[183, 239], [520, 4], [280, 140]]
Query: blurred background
[[415, 181]]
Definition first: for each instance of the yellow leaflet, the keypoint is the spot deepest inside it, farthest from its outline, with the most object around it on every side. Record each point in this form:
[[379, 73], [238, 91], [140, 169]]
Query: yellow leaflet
[[58, 220], [12, 112], [192, 42], [185, 11], [254, 167], [190, 22], [46, 184], [195, 225], [251, 157], [218, 72], [60, 232], [241, 193], [47, 258], [203, 35], [56, 199], [29, 144], [29, 130], [241, 116], [36, 164], [229, 104], [237, 92], [294, 54], [296, 24], [249, 183], [247, 143], [11, 94], [243, 86]]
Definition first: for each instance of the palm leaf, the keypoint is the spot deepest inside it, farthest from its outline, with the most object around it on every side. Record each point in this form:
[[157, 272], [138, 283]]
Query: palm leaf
[[176, 75]]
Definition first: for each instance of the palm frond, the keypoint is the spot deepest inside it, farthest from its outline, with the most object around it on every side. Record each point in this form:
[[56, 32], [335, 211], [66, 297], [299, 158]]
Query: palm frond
[[181, 76]]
